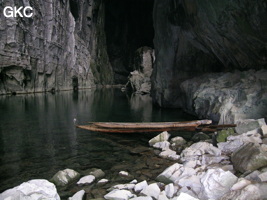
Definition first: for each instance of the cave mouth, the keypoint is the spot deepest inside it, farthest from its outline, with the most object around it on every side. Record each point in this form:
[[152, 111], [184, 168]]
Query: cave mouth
[[128, 26]]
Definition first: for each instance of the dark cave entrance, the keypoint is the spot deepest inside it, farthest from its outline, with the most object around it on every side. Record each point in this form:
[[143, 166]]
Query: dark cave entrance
[[128, 26]]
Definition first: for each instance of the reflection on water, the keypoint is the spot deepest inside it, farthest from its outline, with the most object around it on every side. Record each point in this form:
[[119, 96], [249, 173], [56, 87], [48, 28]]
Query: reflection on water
[[38, 137]]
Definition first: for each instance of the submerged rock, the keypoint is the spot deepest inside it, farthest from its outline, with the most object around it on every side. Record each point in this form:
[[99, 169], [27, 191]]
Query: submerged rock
[[64, 177], [97, 173], [32, 190]]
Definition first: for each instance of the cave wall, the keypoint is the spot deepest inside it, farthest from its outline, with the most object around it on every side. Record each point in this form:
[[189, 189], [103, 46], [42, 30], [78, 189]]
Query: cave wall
[[62, 46], [129, 26], [193, 37]]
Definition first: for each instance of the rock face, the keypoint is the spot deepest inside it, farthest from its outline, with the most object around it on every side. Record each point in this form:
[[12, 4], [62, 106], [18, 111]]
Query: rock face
[[61, 47], [143, 64], [227, 97], [32, 190], [193, 38]]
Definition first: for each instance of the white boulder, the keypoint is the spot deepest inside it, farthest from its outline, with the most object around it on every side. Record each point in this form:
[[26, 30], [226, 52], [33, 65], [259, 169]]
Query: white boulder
[[216, 183], [118, 195], [169, 154], [142, 198], [140, 186], [184, 196], [162, 145], [164, 136], [169, 190], [64, 177], [102, 181], [78, 195], [123, 173], [169, 174], [198, 149], [86, 180], [128, 186], [162, 196], [32, 190], [151, 190]]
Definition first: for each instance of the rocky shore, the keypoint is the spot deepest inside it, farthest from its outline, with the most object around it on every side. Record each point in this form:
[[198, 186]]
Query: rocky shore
[[230, 165]]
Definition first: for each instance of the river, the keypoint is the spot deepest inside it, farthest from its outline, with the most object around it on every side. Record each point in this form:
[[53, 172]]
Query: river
[[38, 136]]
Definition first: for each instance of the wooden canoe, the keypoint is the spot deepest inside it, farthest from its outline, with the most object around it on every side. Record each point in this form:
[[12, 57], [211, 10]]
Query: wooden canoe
[[192, 126], [151, 125], [121, 130]]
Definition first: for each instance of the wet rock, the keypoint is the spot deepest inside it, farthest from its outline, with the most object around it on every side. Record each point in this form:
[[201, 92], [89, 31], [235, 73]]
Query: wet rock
[[246, 125], [140, 186], [151, 190], [200, 137], [32, 190], [64, 177], [177, 141], [249, 157], [118, 195], [77, 196], [86, 180], [164, 136], [102, 182], [216, 183]]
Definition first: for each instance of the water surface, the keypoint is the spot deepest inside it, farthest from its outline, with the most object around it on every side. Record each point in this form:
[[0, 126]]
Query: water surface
[[38, 137]]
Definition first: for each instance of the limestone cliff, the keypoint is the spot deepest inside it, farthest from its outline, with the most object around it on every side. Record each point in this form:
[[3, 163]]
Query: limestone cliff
[[193, 37], [61, 47]]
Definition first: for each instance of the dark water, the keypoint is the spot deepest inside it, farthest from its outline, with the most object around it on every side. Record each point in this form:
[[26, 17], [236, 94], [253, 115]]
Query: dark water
[[38, 137]]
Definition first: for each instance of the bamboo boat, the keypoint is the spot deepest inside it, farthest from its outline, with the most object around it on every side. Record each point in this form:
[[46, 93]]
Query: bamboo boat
[[146, 127]]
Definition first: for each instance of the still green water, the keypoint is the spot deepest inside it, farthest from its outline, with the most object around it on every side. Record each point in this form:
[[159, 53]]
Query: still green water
[[38, 136]]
